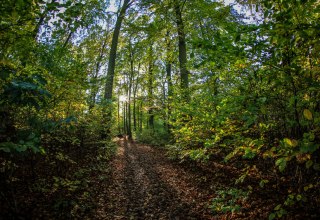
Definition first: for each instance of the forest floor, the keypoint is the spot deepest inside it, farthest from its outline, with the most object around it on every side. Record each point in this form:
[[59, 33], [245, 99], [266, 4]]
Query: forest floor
[[141, 182], [145, 184]]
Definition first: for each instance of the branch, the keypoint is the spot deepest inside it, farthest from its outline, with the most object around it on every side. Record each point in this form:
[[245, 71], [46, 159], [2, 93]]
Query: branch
[[184, 2]]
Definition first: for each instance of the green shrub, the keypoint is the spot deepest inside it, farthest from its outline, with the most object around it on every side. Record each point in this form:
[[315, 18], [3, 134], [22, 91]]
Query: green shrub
[[155, 138], [228, 200]]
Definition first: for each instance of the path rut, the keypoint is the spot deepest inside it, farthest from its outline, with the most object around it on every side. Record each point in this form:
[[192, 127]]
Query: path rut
[[147, 185]]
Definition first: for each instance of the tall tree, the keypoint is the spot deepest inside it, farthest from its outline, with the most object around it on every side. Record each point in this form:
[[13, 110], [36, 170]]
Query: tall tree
[[150, 88], [113, 50], [169, 80], [182, 49], [112, 62]]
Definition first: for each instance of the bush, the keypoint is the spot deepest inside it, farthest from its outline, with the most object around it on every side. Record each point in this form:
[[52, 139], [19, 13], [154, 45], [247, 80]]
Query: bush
[[155, 138], [228, 200]]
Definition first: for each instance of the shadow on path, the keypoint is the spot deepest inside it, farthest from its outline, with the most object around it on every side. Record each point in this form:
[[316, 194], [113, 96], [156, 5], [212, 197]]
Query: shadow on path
[[146, 185]]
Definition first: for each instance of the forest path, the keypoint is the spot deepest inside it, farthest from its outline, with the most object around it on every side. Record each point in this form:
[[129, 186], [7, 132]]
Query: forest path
[[147, 185]]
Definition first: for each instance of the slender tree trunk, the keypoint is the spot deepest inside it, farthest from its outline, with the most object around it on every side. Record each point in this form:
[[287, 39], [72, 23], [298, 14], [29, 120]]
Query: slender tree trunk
[[124, 107], [134, 100], [141, 116], [40, 22], [182, 51], [111, 67], [129, 121], [169, 95], [118, 116], [131, 76], [67, 40], [113, 51], [129, 112], [94, 79], [150, 90], [169, 81], [138, 114], [134, 113]]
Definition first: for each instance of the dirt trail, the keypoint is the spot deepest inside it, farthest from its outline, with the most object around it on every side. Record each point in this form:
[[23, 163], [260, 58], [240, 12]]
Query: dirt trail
[[146, 185]]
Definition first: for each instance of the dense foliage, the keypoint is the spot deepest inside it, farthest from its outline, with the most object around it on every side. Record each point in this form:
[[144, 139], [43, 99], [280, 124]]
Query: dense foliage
[[47, 134], [209, 81]]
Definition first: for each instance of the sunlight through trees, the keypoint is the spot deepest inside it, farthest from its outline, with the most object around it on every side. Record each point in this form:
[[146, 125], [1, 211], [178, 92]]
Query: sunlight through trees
[[234, 83]]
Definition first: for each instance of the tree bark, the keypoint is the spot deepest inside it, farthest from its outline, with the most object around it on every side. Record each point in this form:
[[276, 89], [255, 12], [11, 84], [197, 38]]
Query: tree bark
[[67, 40], [113, 51], [124, 107], [169, 95], [129, 94], [169, 82], [118, 115], [184, 75], [141, 116], [138, 114], [94, 90], [129, 132], [134, 100], [150, 90], [111, 68]]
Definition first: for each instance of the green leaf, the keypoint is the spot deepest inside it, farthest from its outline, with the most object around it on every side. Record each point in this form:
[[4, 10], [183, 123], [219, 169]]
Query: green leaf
[[263, 182], [299, 197], [307, 114], [7, 146], [42, 150], [272, 216], [311, 136], [21, 148], [309, 163], [309, 147], [31, 136], [281, 163], [277, 207], [281, 212], [5, 149], [249, 154]]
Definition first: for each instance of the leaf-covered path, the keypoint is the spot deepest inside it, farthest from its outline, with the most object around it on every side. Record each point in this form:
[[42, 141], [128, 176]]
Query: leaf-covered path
[[147, 185]]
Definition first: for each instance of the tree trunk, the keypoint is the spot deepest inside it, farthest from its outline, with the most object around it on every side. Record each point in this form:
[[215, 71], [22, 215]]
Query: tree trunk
[[169, 81], [118, 115], [131, 54], [67, 40], [111, 67], [113, 51], [124, 107], [169, 95], [138, 114], [141, 116], [94, 89], [134, 100], [150, 90], [134, 113], [129, 120], [182, 51]]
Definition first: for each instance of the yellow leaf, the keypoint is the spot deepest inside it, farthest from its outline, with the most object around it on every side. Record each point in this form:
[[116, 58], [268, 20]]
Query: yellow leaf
[[292, 143], [307, 114], [287, 141], [306, 97]]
